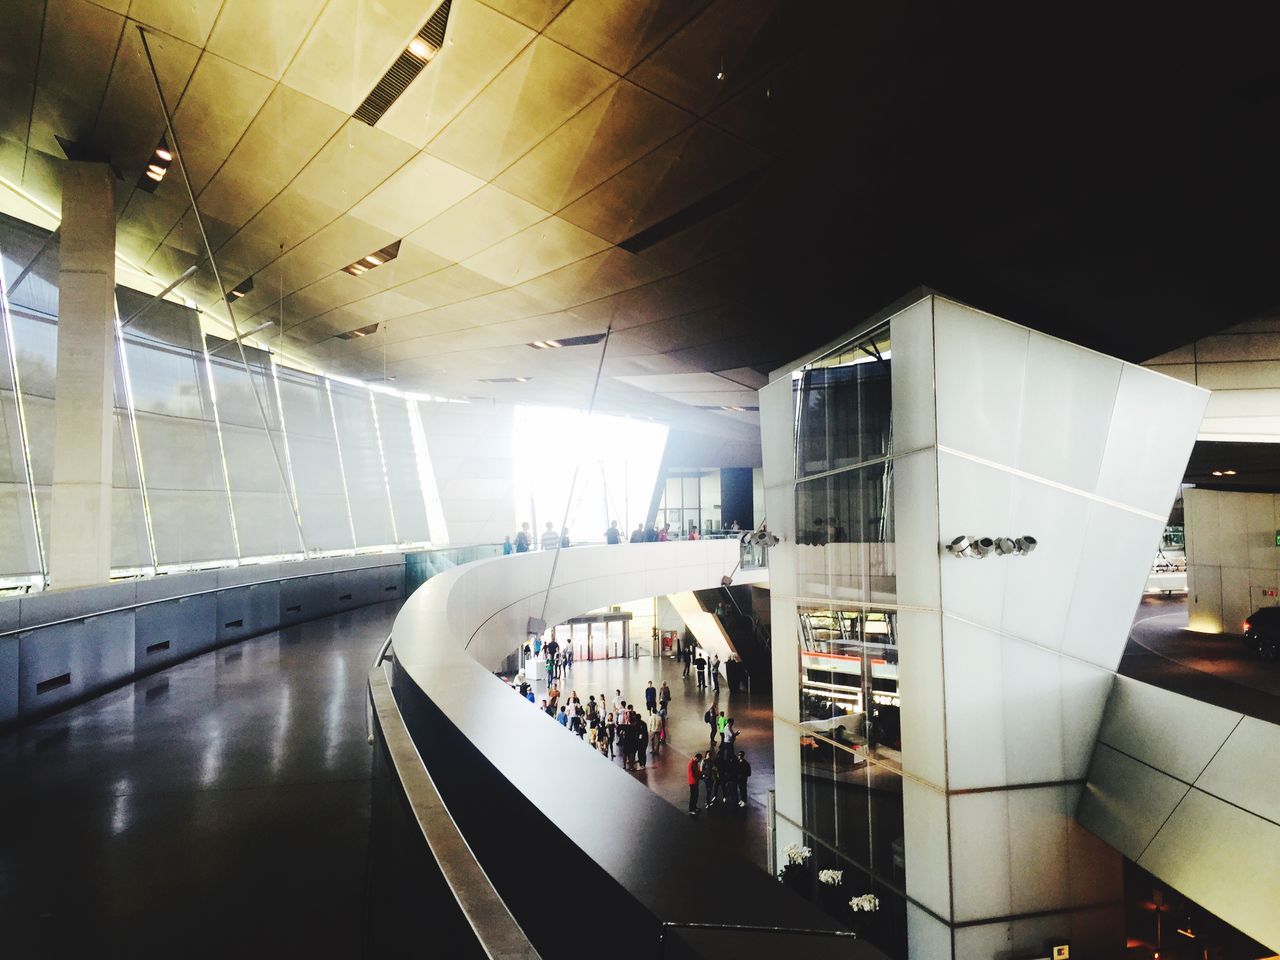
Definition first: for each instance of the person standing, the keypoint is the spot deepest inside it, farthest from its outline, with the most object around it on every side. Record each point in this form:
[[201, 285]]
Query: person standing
[[664, 697], [743, 771], [728, 735], [546, 708], [721, 722], [665, 533], [553, 695], [550, 540], [523, 539], [693, 532], [694, 772], [610, 734], [507, 548], [654, 724], [637, 535], [700, 662], [568, 657], [642, 738], [613, 534], [686, 657], [709, 718], [550, 663], [651, 698], [715, 672]]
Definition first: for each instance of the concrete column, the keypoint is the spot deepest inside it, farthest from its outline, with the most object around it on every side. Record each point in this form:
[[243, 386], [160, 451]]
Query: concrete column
[[80, 540]]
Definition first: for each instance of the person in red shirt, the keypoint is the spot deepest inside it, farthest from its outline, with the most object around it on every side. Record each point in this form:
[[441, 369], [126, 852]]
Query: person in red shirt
[[695, 775]]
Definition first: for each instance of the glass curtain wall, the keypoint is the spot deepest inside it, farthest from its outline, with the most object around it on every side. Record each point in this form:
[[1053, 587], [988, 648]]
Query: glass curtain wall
[[617, 461], [198, 480], [851, 781]]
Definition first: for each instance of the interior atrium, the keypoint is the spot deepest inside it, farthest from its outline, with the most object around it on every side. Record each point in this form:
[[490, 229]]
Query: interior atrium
[[674, 479]]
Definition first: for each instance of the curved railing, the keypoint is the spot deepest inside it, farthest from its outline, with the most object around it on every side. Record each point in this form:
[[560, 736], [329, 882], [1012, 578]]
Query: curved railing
[[538, 812]]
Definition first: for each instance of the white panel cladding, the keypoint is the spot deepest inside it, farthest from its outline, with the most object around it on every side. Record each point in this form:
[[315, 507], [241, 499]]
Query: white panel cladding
[[777, 431], [980, 854], [1165, 730], [1115, 560], [913, 415], [1152, 431], [915, 520], [980, 362], [974, 499], [1259, 529], [975, 715], [1074, 390], [1125, 802], [927, 849], [1235, 774], [920, 678], [1233, 561], [1225, 859]]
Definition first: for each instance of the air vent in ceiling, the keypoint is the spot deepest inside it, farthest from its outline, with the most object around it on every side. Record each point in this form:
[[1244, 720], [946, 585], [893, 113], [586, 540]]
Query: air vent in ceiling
[[712, 203], [567, 342], [411, 62], [505, 379], [357, 333]]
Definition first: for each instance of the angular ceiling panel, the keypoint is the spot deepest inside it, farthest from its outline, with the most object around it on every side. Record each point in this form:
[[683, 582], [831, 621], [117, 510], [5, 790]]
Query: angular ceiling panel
[[536, 250], [479, 43], [19, 55], [263, 37], [415, 194], [350, 47], [482, 219], [219, 104], [76, 55], [671, 178], [539, 90], [188, 20], [619, 35], [614, 130], [286, 134]]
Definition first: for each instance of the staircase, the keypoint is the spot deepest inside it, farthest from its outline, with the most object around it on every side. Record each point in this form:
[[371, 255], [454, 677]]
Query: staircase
[[748, 634]]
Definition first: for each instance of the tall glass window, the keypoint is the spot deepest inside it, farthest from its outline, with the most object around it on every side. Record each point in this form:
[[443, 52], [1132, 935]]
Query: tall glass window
[[313, 457], [362, 465], [403, 477]]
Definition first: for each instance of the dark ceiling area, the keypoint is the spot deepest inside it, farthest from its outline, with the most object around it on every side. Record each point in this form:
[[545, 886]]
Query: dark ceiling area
[[1235, 466], [1104, 173]]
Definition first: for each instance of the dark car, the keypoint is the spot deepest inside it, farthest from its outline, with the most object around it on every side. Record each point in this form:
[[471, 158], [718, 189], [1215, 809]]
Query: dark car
[[1262, 632]]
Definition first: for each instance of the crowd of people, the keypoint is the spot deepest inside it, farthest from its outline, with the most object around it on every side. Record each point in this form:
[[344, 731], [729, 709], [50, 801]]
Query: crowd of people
[[524, 541], [619, 730]]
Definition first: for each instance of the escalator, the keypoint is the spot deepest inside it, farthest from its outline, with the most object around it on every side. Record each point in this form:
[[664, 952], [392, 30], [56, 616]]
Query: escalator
[[743, 613]]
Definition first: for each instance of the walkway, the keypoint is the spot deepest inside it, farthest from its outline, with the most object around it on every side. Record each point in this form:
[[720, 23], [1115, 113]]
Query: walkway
[[752, 715], [1215, 668], [218, 808]]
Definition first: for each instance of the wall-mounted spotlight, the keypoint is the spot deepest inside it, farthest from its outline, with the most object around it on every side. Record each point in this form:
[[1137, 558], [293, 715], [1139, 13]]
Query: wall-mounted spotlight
[[979, 547]]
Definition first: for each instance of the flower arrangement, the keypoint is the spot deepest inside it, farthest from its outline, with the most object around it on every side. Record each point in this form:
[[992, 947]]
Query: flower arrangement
[[867, 903], [796, 854], [832, 878]]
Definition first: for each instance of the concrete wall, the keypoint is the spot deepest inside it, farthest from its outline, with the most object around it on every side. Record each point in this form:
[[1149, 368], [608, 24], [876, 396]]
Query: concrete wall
[[1233, 563], [1242, 368]]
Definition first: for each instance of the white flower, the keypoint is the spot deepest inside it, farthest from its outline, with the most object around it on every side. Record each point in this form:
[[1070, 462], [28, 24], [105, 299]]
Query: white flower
[[831, 877], [867, 902], [795, 853]]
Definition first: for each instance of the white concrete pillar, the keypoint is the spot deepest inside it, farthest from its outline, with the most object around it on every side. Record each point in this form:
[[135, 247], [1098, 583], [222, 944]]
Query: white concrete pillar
[[80, 539]]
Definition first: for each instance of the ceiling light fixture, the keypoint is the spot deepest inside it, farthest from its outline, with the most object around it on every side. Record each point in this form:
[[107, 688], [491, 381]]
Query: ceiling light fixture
[[545, 344], [421, 49], [157, 167], [163, 152], [358, 332], [375, 259], [1217, 473], [157, 177], [582, 341], [240, 289], [1228, 473]]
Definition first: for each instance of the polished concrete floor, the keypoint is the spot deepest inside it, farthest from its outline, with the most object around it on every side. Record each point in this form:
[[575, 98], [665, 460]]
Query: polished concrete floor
[[1212, 667], [218, 808], [666, 775]]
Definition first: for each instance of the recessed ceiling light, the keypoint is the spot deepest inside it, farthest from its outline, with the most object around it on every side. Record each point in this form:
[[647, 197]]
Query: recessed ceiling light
[[240, 289], [421, 49], [155, 168], [375, 259], [152, 174], [163, 153], [1217, 473], [1228, 473]]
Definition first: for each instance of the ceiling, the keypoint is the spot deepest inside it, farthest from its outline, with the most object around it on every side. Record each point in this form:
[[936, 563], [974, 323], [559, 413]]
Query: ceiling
[[725, 183]]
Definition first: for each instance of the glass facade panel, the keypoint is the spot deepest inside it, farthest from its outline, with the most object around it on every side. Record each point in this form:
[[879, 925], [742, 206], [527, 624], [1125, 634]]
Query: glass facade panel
[[260, 496], [844, 524], [403, 470], [313, 458], [842, 407], [362, 465], [178, 436]]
